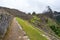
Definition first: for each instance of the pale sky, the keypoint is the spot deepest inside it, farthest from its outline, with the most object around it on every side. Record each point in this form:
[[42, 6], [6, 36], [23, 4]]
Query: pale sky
[[31, 5]]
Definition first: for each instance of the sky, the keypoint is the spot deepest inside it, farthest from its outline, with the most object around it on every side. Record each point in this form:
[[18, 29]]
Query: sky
[[31, 5]]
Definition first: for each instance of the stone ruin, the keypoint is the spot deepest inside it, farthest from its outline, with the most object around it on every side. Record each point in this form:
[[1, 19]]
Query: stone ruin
[[5, 19], [6, 16]]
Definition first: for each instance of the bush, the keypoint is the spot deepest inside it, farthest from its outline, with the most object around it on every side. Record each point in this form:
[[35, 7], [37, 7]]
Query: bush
[[55, 29]]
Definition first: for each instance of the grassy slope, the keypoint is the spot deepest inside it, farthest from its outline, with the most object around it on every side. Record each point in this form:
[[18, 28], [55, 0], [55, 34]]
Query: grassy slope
[[54, 26], [48, 22], [32, 32]]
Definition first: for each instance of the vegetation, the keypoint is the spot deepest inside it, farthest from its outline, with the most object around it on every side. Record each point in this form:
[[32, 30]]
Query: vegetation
[[44, 22], [32, 32], [29, 13], [49, 22], [34, 19], [33, 13], [58, 19], [54, 27]]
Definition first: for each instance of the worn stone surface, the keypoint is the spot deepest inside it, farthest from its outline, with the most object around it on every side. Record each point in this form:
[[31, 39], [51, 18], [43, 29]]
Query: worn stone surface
[[4, 23], [6, 15], [15, 32]]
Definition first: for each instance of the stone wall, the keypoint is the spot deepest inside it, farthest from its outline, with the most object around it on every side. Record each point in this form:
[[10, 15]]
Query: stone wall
[[5, 19]]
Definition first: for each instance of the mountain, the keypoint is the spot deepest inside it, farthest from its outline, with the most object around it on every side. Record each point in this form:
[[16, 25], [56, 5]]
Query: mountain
[[16, 13], [7, 15], [48, 22]]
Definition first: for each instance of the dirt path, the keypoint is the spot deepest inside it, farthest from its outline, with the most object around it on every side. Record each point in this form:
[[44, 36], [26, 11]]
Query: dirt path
[[15, 32]]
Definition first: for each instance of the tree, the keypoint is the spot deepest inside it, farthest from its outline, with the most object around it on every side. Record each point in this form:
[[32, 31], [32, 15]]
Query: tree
[[29, 13], [33, 13]]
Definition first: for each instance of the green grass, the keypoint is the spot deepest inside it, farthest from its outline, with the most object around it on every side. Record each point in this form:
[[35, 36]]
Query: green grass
[[32, 32], [51, 22], [55, 29], [35, 18], [54, 26]]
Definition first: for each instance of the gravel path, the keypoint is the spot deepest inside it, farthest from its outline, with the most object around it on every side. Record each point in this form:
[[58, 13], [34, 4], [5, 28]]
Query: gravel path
[[15, 32]]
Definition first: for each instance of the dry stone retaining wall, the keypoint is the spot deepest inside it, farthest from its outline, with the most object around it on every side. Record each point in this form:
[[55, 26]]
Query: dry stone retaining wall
[[5, 20]]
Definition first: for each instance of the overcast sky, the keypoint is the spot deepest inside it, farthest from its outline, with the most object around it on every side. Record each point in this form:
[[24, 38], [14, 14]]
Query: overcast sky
[[31, 5]]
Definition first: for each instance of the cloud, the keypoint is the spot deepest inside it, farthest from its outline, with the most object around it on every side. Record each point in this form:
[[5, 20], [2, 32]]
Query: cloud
[[31, 5]]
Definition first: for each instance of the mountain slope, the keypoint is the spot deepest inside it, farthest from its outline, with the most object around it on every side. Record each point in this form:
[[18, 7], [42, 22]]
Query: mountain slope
[[16, 13], [32, 32], [46, 24]]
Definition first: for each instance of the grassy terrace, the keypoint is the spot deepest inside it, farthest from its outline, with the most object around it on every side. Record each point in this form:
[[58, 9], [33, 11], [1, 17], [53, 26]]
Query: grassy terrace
[[31, 31]]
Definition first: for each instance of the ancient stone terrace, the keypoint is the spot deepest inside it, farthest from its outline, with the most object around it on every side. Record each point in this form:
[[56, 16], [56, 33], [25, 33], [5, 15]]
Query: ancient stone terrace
[[5, 20]]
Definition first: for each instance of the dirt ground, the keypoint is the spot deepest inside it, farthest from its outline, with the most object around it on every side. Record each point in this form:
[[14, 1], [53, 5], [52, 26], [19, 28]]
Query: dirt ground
[[15, 32]]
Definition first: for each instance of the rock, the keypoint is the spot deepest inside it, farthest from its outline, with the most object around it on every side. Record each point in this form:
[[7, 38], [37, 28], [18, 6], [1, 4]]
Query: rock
[[5, 20]]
